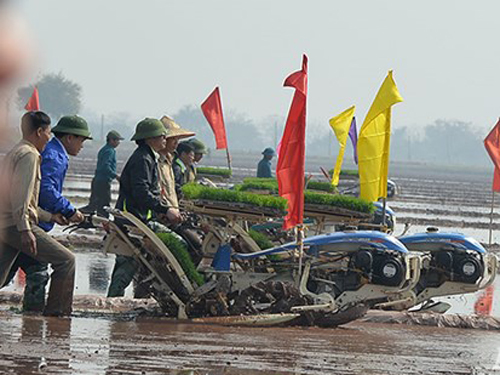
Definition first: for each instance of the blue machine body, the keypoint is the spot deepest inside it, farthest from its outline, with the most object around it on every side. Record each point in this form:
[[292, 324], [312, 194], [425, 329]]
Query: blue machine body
[[379, 208], [435, 239], [374, 239]]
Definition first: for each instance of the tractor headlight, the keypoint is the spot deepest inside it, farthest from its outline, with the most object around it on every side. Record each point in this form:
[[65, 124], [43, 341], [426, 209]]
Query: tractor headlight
[[389, 270], [468, 268]]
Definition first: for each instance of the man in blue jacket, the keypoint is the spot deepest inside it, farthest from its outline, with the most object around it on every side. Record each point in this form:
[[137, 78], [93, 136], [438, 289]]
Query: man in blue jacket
[[105, 173], [69, 135]]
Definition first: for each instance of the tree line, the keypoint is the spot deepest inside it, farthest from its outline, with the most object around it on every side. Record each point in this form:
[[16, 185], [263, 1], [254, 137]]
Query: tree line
[[446, 142]]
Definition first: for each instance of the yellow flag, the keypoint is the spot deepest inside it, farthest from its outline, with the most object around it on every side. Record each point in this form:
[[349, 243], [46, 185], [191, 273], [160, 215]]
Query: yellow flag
[[374, 142], [341, 125]]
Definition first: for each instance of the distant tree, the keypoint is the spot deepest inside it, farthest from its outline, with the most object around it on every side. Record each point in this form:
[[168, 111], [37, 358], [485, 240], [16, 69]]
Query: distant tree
[[59, 96]]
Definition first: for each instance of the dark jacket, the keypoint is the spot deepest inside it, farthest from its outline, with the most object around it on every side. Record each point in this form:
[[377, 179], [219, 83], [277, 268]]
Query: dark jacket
[[180, 174], [139, 186], [106, 164], [54, 166]]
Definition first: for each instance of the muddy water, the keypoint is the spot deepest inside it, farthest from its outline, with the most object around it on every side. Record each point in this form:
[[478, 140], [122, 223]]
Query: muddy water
[[93, 274], [99, 346]]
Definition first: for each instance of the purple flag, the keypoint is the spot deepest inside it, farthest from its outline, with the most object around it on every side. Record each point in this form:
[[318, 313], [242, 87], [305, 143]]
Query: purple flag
[[353, 134]]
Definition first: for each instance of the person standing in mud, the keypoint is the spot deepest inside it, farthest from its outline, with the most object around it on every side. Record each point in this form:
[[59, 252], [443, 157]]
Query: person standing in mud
[[70, 133], [140, 193], [22, 213], [105, 173]]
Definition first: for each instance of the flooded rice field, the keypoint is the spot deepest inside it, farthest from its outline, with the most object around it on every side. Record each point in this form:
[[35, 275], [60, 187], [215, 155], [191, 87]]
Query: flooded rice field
[[108, 343], [34, 345]]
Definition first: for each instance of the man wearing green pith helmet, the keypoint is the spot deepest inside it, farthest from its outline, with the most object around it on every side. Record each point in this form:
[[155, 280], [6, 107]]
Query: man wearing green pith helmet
[[140, 193], [105, 173]]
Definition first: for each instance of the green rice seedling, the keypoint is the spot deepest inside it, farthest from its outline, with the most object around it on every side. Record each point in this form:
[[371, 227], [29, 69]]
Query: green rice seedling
[[320, 185], [181, 253], [194, 191], [223, 172], [346, 172], [341, 201], [260, 239]]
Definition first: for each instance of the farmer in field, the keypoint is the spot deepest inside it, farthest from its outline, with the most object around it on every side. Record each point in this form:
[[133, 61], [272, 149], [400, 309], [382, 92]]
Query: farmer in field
[[70, 133], [140, 193], [200, 151], [105, 173], [168, 165], [264, 166], [182, 166], [21, 215], [170, 171]]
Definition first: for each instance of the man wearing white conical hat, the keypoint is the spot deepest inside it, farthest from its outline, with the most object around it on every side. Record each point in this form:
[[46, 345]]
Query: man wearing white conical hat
[[167, 178]]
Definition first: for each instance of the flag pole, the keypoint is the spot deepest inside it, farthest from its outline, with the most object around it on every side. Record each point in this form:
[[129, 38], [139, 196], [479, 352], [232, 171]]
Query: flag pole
[[491, 217], [300, 245], [228, 158], [384, 209]]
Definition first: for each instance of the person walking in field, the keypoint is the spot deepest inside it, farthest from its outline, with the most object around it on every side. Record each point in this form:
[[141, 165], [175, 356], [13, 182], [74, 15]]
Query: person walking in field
[[105, 173]]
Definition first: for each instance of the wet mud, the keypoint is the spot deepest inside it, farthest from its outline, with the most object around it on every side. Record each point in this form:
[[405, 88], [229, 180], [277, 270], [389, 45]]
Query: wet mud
[[34, 345]]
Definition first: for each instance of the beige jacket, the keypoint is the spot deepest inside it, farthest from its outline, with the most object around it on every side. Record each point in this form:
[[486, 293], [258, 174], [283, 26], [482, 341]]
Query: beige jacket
[[21, 176], [167, 181]]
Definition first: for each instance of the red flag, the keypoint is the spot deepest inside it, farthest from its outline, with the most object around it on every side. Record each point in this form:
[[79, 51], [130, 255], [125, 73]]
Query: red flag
[[290, 169], [34, 102], [212, 109], [492, 144]]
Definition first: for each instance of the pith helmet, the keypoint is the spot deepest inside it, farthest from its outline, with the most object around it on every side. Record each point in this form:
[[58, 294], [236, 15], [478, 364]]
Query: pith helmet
[[113, 134], [198, 146], [75, 125], [148, 128], [174, 130], [269, 152]]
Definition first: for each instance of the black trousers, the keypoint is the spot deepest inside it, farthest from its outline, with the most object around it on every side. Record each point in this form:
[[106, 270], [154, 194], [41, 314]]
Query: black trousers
[[100, 197]]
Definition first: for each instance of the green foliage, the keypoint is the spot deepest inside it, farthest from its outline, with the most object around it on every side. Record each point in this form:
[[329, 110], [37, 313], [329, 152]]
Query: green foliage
[[346, 172], [260, 180], [271, 184], [180, 251], [260, 239], [342, 201], [223, 172], [320, 185], [59, 96], [196, 191]]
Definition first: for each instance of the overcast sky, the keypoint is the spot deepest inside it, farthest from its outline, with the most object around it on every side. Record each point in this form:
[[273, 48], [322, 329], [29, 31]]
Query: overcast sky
[[151, 57]]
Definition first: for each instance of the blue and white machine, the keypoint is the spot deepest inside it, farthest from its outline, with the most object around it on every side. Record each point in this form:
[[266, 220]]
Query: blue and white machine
[[342, 271], [452, 263]]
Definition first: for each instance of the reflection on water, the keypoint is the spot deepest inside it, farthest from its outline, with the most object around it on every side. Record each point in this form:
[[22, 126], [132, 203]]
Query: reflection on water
[[93, 274]]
